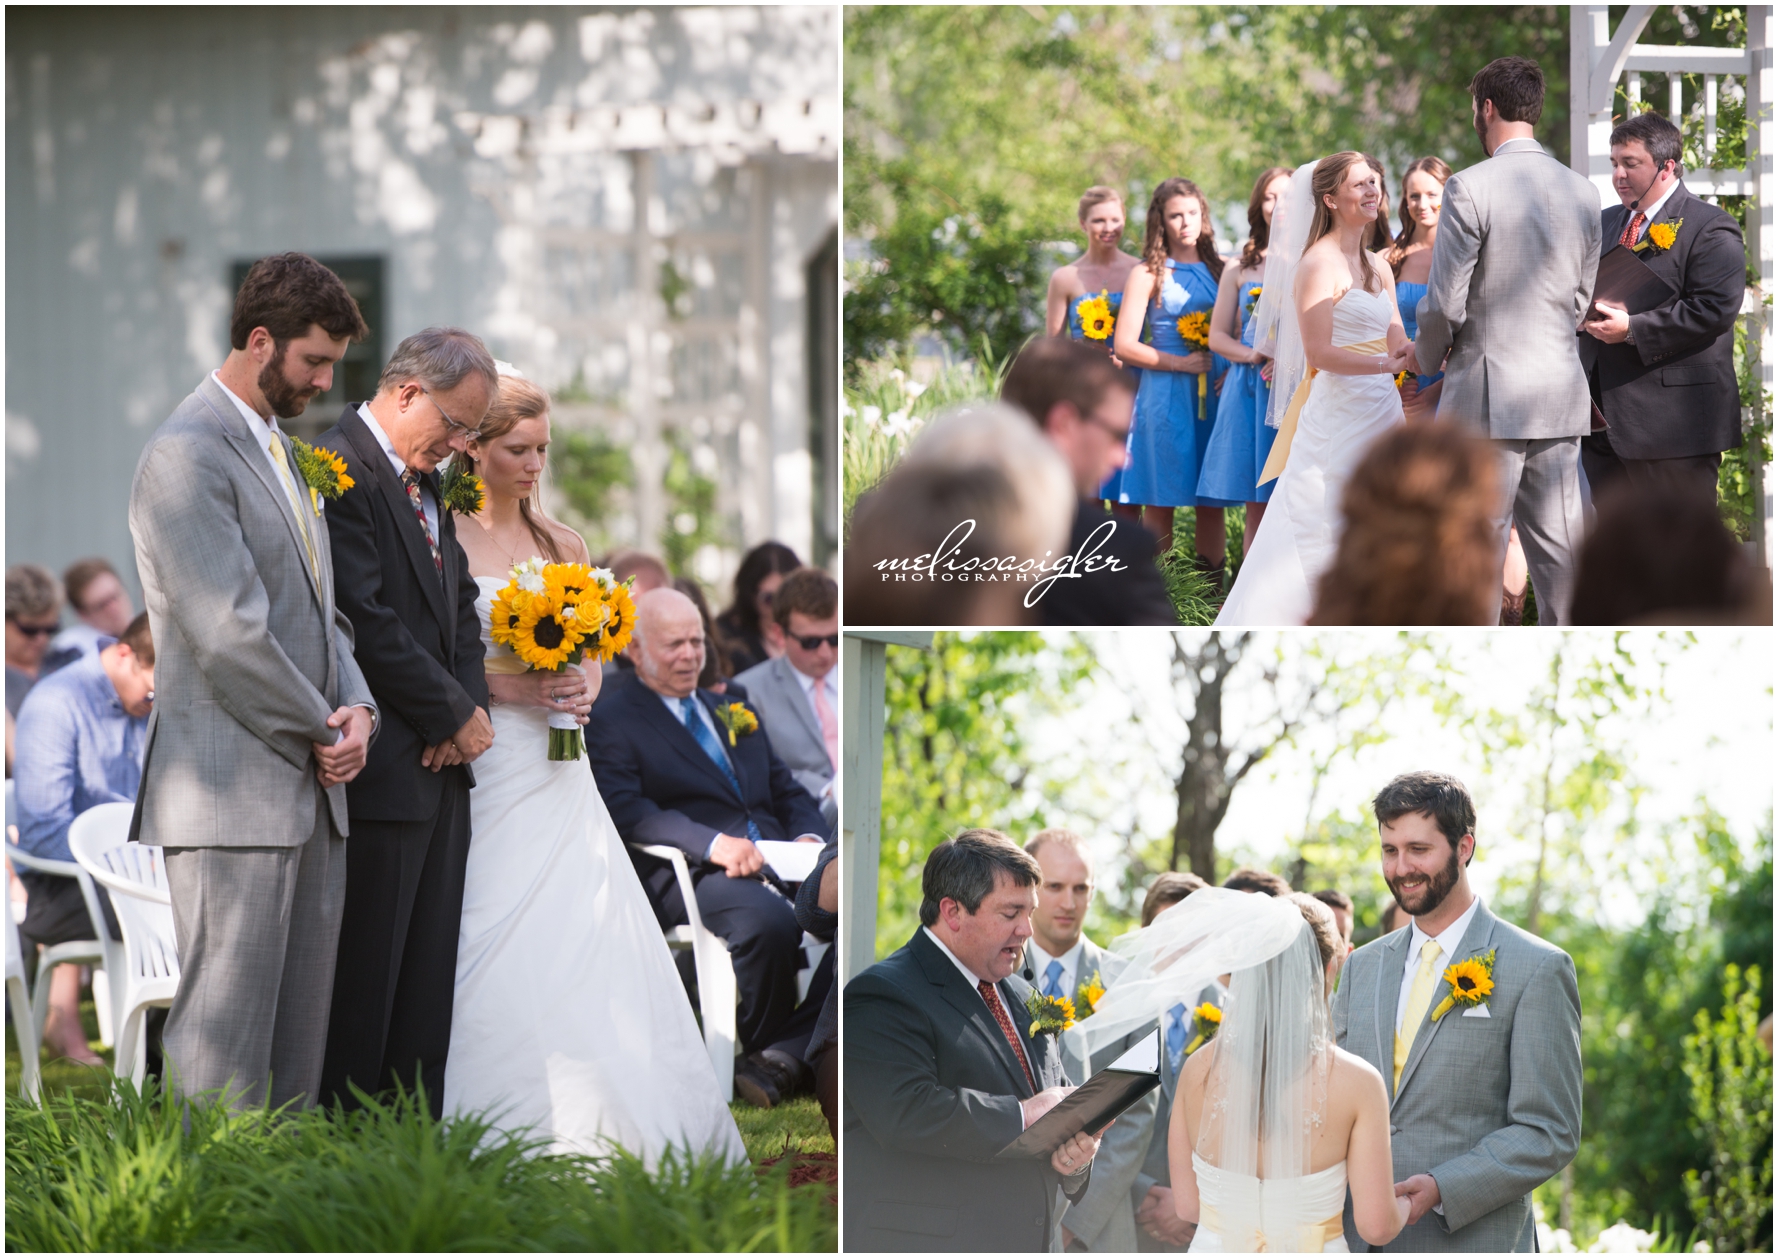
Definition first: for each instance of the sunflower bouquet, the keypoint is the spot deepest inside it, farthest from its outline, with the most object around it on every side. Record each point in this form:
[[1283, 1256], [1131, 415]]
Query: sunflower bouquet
[[1194, 330], [556, 614], [1096, 320], [1206, 1022]]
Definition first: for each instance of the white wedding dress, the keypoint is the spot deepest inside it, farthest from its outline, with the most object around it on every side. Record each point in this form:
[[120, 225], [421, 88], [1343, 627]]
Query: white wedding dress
[[570, 1018], [1299, 1215], [1343, 417]]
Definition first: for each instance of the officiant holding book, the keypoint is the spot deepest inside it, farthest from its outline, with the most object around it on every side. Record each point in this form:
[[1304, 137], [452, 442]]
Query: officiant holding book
[[1664, 379], [943, 1071]]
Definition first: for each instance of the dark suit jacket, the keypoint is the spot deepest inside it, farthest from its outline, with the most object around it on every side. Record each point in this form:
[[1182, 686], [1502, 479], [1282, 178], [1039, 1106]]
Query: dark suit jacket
[[1673, 393], [417, 638], [1137, 595], [932, 1094], [662, 789]]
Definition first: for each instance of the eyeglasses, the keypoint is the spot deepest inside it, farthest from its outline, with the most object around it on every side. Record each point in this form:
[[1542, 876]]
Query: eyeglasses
[[1122, 434], [472, 432], [813, 641], [35, 631]]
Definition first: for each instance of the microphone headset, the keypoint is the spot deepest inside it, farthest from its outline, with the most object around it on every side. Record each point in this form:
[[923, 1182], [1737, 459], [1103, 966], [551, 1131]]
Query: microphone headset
[[1652, 179]]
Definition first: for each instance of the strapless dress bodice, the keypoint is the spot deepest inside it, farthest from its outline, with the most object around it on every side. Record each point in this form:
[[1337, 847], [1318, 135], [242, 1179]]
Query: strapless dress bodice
[[1300, 1215]]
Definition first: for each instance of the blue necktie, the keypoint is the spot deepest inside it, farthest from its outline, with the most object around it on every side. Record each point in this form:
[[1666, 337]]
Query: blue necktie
[[707, 740], [1052, 979], [1175, 1036]]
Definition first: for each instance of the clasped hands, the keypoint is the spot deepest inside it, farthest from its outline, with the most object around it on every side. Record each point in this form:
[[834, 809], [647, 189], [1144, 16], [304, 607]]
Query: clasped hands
[[1078, 1151], [1402, 360], [476, 736], [1422, 1195]]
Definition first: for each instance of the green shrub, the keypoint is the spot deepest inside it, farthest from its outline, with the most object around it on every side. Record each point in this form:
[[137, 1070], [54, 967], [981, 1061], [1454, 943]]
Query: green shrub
[[1730, 1073]]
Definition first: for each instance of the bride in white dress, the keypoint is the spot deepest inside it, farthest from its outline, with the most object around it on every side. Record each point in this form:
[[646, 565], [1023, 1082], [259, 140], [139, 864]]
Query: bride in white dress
[[570, 1019], [1327, 315], [1271, 1122]]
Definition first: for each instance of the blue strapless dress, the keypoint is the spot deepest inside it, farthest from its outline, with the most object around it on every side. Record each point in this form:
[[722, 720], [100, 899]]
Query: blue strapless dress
[[1407, 297], [1167, 439], [1077, 332], [1241, 443]]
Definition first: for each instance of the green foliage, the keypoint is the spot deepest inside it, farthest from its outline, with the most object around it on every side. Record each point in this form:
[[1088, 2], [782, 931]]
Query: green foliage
[[955, 753], [1730, 1073], [693, 521], [591, 472], [132, 1172]]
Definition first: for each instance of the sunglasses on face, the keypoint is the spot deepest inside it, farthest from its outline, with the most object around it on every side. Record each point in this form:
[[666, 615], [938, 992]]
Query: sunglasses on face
[[35, 631], [813, 641]]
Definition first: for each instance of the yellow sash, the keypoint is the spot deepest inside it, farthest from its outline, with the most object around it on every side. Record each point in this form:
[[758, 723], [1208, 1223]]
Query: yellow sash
[[1311, 1238], [1287, 426]]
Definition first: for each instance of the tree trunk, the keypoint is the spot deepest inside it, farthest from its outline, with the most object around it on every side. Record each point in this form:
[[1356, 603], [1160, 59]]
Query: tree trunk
[[1203, 788]]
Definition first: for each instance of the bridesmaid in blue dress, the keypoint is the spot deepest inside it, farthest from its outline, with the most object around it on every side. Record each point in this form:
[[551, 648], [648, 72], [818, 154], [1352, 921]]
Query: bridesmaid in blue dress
[[1410, 257], [1167, 437], [1241, 442]]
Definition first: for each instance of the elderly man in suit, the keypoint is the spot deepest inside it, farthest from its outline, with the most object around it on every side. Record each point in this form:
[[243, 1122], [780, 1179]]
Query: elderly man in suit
[[1665, 379], [942, 1072], [797, 694], [262, 715], [404, 583], [678, 767], [1512, 277], [1484, 1097]]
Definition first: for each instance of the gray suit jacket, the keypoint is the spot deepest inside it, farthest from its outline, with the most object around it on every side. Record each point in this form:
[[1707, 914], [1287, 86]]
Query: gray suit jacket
[[1512, 277], [1490, 1107], [251, 655], [790, 723]]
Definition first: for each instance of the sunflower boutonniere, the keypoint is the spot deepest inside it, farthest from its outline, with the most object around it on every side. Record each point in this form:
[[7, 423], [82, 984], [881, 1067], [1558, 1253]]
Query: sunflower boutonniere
[[1086, 1000], [1662, 235], [322, 470], [738, 720], [1050, 1015], [461, 488], [1471, 981], [1206, 1022]]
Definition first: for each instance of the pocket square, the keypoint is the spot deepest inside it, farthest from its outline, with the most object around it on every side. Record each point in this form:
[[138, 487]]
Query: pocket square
[[1478, 1011]]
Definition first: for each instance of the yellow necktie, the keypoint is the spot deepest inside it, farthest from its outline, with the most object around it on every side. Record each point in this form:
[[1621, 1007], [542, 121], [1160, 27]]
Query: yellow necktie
[[302, 525], [1419, 997]]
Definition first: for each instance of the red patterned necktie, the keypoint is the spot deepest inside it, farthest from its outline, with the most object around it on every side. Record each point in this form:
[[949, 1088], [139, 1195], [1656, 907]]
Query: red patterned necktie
[[1632, 231], [998, 1009], [412, 481]]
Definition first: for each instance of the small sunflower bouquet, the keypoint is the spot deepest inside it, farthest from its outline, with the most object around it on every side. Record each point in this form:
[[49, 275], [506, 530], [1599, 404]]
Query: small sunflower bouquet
[[1250, 300], [1096, 320], [1206, 1022], [556, 614], [1194, 330]]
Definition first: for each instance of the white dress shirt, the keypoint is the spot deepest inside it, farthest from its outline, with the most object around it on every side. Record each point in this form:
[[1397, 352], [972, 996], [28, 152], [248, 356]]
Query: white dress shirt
[[376, 430], [1449, 939], [1040, 961]]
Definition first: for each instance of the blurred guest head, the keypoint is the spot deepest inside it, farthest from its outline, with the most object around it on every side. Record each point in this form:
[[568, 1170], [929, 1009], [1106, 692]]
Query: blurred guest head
[[1167, 890], [716, 671], [293, 320], [433, 395], [1419, 545], [1329, 942], [129, 663], [98, 597], [1341, 904], [668, 645], [1256, 880], [977, 894], [1662, 556], [33, 615], [762, 571], [1066, 891], [650, 573], [807, 609], [1080, 399]]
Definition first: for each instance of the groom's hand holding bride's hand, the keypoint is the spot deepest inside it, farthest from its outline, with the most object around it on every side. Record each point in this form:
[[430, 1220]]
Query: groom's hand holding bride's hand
[[1404, 360], [344, 760], [1421, 1193]]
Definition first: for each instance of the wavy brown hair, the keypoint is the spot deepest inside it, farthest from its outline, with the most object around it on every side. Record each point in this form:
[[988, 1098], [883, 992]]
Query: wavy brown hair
[[1377, 238], [1259, 232], [516, 401], [1419, 546], [1330, 173], [1426, 165], [1154, 239]]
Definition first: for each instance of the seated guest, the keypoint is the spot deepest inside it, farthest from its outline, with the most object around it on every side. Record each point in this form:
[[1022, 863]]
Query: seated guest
[[1341, 904], [818, 913], [81, 735], [797, 695], [747, 623], [1661, 556], [1418, 546], [33, 617], [102, 605], [675, 772], [1083, 404], [1256, 880]]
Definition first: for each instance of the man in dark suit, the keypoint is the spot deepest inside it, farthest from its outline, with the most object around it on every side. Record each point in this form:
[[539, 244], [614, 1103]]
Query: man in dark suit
[[675, 772], [403, 581], [1084, 403], [1665, 379], [942, 1072]]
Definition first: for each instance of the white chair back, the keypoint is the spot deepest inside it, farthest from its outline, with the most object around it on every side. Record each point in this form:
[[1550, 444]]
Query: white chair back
[[100, 951], [18, 997]]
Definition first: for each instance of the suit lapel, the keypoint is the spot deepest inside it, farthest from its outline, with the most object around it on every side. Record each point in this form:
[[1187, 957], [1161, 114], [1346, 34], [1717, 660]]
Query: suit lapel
[[1389, 978], [1475, 940], [407, 524], [447, 547], [968, 1001], [678, 737]]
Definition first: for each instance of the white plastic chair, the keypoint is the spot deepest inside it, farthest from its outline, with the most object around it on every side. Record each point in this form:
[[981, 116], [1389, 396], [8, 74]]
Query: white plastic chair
[[18, 995], [136, 876], [103, 953]]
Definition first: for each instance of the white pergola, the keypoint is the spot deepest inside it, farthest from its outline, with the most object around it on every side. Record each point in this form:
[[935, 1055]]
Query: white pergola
[[1599, 58]]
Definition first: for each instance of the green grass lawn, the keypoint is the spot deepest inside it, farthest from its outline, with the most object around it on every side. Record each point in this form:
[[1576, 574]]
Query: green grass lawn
[[102, 1169]]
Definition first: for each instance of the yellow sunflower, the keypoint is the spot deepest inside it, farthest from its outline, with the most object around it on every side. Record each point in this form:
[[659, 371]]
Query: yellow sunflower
[[1194, 329], [620, 620], [503, 618], [543, 638], [1096, 321], [1470, 982], [1090, 993], [1664, 234], [568, 583], [1208, 1013]]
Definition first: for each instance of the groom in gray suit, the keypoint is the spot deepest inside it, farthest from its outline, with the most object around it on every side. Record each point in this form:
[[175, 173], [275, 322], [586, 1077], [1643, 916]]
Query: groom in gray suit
[[1512, 279], [262, 714], [1484, 1092]]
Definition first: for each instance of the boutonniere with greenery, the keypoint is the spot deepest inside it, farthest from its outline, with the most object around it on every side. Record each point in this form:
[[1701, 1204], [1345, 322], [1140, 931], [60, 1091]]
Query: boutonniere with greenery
[[1660, 236], [1096, 321], [1471, 981], [737, 720], [1086, 1000], [460, 488], [1206, 1022], [322, 470], [1050, 1015]]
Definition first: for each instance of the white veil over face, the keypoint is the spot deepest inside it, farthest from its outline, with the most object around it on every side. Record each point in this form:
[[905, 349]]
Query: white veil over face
[[1276, 333]]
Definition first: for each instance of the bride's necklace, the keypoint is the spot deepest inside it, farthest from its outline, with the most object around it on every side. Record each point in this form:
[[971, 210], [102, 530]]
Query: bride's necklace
[[512, 558]]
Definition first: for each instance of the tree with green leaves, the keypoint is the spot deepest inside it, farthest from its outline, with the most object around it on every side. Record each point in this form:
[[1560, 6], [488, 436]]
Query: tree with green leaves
[[1730, 1072]]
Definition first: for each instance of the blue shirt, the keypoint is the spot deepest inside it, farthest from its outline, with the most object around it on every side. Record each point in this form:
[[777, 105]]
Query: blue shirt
[[76, 748]]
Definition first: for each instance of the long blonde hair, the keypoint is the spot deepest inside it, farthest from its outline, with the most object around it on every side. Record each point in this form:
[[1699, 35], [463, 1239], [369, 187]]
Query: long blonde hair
[[1330, 173], [516, 401]]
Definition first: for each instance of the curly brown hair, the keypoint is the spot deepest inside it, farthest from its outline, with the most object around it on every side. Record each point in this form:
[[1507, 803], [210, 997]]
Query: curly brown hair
[[1420, 545], [1154, 238], [1259, 232]]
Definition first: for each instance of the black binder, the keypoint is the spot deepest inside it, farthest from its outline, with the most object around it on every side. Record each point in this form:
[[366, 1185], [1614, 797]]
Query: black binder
[[1090, 1107], [1625, 278]]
